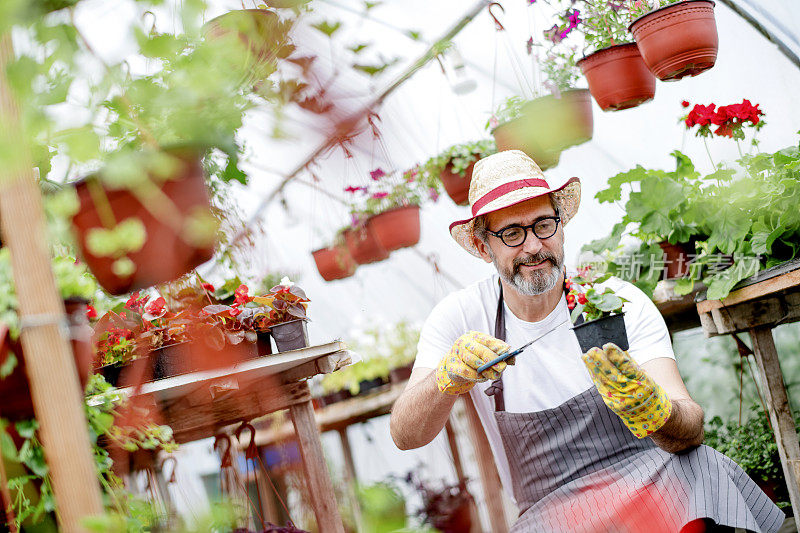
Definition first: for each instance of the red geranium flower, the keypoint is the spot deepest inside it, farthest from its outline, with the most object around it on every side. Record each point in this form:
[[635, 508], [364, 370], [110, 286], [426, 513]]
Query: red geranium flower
[[91, 312], [685, 103]]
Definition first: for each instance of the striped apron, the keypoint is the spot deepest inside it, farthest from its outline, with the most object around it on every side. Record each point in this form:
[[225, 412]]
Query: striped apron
[[577, 468]]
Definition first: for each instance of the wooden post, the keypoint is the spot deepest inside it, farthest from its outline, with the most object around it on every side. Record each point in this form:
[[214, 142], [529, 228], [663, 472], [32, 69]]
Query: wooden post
[[351, 478], [317, 478], [453, 444], [490, 479], [55, 390], [780, 413]]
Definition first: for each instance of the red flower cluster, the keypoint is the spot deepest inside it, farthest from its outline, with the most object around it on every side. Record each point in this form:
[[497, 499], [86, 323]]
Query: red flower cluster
[[729, 119], [156, 307], [137, 303], [240, 296]]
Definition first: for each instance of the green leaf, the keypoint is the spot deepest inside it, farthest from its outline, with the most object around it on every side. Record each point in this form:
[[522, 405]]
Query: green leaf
[[614, 191], [327, 28], [82, 143], [27, 428], [358, 48], [684, 286], [8, 365], [609, 302], [414, 35]]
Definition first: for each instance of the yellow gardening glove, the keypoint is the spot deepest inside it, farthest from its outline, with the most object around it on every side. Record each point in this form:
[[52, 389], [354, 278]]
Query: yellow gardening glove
[[627, 390], [457, 373]]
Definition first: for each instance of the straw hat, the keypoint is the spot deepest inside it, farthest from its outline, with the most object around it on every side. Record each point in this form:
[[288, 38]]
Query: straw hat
[[505, 179]]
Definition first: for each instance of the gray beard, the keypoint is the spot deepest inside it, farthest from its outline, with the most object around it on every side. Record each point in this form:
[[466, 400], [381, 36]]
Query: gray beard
[[539, 281]]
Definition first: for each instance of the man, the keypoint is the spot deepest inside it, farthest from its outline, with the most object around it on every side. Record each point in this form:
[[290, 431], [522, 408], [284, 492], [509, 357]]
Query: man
[[603, 441]]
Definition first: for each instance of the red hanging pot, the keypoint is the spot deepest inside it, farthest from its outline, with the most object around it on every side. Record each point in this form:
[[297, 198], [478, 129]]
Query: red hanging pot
[[364, 246], [678, 40], [396, 228], [334, 262], [618, 77], [457, 186], [167, 253]]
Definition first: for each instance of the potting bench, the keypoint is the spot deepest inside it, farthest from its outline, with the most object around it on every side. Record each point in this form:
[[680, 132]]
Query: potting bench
[[756, 306], [340, 415], [203, 404]]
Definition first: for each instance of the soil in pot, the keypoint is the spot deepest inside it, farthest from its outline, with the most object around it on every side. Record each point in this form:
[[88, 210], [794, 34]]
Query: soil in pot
[[678, 40], [166, 253], [334, 263], [396, 228], [596, 333], [618, 77], [364, 246], [457, 186], [292, 335]]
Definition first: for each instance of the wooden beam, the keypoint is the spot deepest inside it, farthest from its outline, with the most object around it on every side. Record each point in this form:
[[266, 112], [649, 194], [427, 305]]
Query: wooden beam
[[454, 453], [490, 479], [780, 413], [351, 478], [199, 416], [317, 477], [55, 389]]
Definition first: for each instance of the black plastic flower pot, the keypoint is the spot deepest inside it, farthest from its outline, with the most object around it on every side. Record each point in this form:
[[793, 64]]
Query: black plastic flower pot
[[171, 360], [111, 373], [263, 346], [368, 385], [291, 335], [599, 332]]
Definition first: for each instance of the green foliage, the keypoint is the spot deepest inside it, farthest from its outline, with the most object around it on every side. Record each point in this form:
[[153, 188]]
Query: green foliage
[[508, 110], [751, 445], [459, 157], [383, 507]]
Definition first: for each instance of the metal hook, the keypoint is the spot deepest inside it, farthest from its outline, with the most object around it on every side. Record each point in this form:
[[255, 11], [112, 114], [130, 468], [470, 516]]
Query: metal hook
[[153, 25], [252, 449], [497, 23], [174, 462], [226, 460]]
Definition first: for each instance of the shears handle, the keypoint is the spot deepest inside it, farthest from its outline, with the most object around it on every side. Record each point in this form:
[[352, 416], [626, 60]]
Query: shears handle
[[499, 359]]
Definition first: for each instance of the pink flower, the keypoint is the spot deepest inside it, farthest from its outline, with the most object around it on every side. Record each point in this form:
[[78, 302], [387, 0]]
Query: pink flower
[[379, 195], [352, 190], [433, 194], [156, 307], [377, 174]]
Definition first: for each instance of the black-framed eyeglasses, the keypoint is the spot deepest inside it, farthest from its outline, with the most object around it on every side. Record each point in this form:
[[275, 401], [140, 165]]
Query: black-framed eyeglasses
[[515, 235]]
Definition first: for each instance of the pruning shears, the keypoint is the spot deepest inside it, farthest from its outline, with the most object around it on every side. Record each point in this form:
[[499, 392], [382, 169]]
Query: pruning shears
[[514, 353]]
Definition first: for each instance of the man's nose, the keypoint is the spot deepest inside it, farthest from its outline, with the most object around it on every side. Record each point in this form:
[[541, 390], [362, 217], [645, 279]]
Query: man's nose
[[532, 243]]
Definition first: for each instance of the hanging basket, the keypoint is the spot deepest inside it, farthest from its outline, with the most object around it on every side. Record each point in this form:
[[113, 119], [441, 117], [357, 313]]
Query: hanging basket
[[166, 253], [678, 40], [396, 228], [334, 262], [364, 246], [547, 126], [457, 186], [596, 333], [618, 77]]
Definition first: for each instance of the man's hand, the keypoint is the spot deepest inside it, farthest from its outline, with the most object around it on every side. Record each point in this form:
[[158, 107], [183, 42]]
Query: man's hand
[[626, 389], [457, 372]]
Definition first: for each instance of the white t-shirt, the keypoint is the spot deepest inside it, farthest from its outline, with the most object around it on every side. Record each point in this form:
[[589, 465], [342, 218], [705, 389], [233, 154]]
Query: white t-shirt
[[550, 371]]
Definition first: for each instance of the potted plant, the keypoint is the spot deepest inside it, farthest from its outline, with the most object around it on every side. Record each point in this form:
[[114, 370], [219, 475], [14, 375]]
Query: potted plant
[[601, 311], [453, 168], [448, 509], [362, 243], [393, 210], [752, 446], [618, 77], [334, 261], [284, 314], [677, 38]]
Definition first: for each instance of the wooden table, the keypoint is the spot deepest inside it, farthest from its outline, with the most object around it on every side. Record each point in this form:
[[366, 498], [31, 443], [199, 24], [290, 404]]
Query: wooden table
[[201, 404], [768, 299]]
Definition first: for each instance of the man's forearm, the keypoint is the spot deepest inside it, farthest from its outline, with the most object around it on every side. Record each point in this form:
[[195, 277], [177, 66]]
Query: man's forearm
[[683, 429], [420, 414]]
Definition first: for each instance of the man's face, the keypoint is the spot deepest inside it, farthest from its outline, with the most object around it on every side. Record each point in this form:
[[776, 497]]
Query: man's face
[[534, 267]]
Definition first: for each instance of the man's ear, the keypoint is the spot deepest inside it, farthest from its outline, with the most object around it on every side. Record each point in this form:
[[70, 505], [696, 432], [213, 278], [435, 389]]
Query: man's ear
[[483, 249]]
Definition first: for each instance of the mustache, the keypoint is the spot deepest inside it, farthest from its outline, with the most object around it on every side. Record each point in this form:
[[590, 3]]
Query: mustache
[[533, 259]]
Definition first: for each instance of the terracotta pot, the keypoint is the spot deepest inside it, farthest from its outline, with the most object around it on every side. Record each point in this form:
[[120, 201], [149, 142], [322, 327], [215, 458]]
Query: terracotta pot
[[676, 258], [292, 335], [166, 254], [334, 262], [396, 228], [618, 77], [547, 126], [457, 186], [15, 395], [364, 246], [678, 40]]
